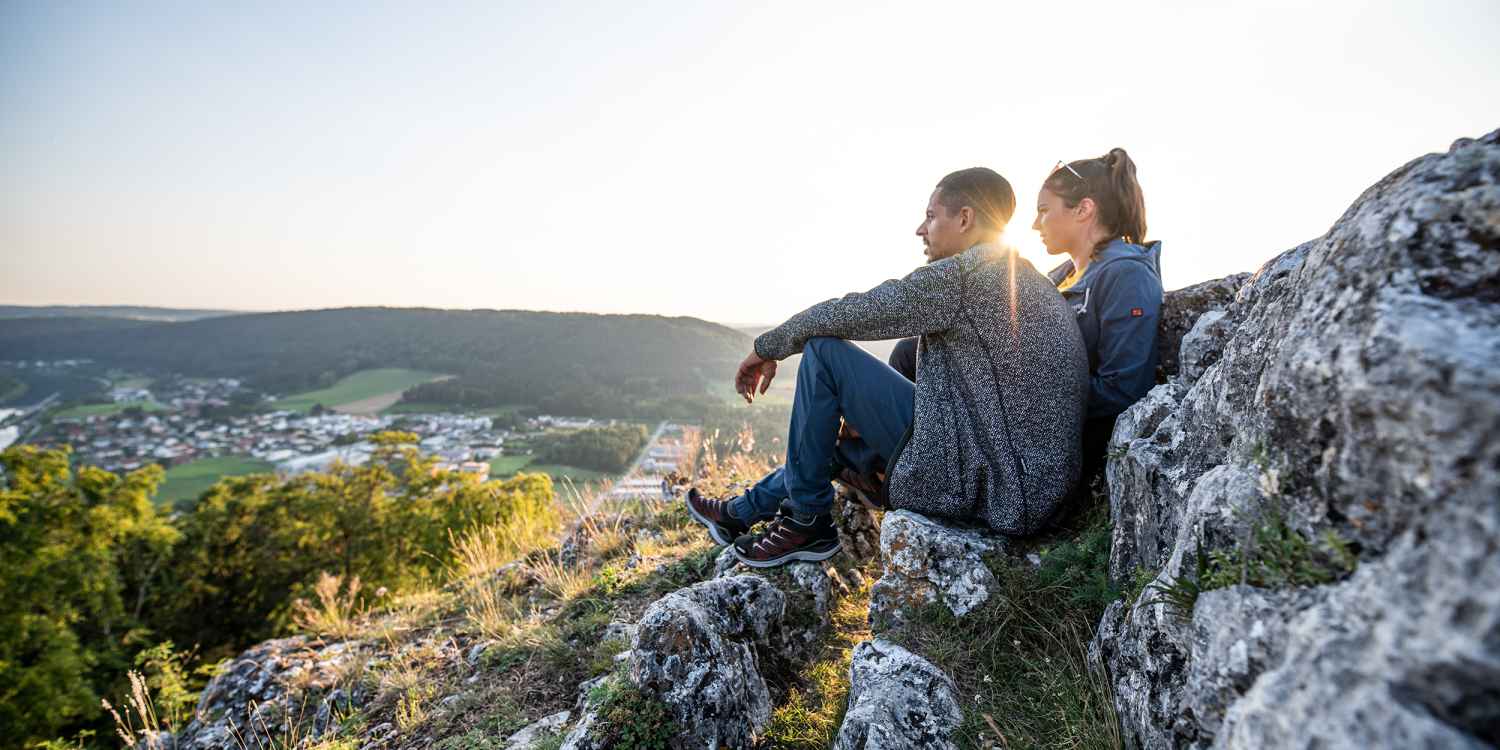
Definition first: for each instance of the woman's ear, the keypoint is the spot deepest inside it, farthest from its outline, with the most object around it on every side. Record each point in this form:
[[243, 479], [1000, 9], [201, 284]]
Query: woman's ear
[[1085, 209]]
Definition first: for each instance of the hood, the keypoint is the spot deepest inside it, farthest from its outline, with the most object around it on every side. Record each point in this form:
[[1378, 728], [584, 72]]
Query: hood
[[1116, 251]]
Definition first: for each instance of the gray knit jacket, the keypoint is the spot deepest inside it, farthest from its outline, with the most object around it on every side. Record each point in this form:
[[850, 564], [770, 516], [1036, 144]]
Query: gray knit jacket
[[1002, 384]]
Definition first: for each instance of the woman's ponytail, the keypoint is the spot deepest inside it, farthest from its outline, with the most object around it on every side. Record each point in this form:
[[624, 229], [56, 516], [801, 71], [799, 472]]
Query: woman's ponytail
[[1127, 216]]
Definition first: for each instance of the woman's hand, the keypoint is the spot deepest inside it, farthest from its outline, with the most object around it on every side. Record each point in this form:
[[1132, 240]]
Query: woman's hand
[[754, 376]]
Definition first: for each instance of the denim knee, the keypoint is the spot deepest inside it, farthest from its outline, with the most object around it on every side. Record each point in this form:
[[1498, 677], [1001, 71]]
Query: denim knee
[[821, 346]]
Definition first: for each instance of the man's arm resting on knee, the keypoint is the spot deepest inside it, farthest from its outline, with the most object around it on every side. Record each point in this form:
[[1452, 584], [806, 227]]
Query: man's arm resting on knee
[[925, 301]]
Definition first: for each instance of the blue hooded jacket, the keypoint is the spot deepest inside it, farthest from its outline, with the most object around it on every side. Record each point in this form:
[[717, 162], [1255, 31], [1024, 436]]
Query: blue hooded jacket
[[1117, 304]]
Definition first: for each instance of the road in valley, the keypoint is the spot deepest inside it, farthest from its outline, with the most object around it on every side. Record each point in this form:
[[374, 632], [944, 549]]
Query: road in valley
[[634, 465]]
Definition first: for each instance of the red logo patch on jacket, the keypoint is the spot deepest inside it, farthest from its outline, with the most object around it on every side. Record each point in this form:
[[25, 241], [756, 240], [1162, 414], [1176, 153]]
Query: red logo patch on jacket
[[1136, 312]]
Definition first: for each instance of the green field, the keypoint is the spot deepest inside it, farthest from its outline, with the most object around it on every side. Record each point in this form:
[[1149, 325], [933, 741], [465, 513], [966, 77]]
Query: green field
[[361, 385], [406, 407], [188, 481], [504, 466], [94, 410], [11, 389]]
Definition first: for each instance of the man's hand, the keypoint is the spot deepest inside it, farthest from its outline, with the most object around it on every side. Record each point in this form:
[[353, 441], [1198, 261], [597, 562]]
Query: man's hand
[[754, 376]]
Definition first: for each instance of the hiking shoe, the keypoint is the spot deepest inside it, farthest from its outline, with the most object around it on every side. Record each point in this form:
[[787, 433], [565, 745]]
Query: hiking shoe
[[786, 539], [869, 490], [714, 514]]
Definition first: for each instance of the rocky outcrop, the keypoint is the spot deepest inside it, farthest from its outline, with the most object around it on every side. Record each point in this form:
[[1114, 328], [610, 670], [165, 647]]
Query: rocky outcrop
[[1351, 389], [537, 731], [859, 527], [1181, 310], [897, 701], [586, 733], [696, 652], [279, 688], [929, 562]]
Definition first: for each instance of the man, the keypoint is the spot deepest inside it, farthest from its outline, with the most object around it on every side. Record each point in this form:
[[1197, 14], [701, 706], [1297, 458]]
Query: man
[[990, 429]]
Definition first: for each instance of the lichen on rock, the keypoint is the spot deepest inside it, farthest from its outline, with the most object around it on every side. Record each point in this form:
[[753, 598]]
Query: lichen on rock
[[1352, 389], [897, 701], [926, 562]]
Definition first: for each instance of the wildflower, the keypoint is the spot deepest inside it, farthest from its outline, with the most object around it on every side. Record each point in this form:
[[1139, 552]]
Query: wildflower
[[987, 680], [1017, 644]]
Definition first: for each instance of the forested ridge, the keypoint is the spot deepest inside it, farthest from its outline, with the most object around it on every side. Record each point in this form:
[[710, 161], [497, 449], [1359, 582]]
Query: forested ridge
[[573, 361]]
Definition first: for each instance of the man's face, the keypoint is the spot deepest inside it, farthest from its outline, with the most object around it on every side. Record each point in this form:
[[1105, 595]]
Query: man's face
[[943, 234]]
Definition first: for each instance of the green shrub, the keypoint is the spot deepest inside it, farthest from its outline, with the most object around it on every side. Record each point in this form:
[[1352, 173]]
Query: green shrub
[[632, 720], [80, 554]]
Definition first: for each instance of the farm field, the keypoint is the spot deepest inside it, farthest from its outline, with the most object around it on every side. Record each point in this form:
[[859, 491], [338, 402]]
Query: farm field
[[95, 410], [504, 466], [430, 408], [371, 387], [186, 482]]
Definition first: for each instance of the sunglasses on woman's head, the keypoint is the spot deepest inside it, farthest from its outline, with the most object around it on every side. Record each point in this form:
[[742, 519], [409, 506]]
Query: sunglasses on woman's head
[[1069, 167]]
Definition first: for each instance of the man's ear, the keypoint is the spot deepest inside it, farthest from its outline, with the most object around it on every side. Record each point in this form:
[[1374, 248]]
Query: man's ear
[[967, 219]]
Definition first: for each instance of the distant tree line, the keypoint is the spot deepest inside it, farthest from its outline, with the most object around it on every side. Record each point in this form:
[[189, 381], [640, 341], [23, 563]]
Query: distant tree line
[[563, 362], [607, 449], [97, 579], [10, 388]]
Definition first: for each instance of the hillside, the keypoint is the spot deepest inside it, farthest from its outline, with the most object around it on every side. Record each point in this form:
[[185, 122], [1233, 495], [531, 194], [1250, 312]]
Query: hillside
[[497, 356], [1295, 548], [109, 311]]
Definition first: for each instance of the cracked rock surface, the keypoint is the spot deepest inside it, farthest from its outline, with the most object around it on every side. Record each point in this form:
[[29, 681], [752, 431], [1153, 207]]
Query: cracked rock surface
[[696, 651], [897, 700], [1353, 388], [926, 562]]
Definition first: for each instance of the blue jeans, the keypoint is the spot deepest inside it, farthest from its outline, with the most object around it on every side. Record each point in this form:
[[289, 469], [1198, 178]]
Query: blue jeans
[[836, 379]]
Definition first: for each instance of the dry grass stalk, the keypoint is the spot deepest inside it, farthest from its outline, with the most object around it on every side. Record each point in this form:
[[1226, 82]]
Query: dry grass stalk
[[560, 581], [138, 704], [337, 610]]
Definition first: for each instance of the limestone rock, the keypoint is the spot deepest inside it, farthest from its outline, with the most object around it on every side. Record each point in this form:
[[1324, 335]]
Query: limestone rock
[[1353, 387], [926, 562], [547, 726], [1145, 475], [726, 564], [1180, 311], [585, 732], [809, 591], [1203, 345], [859, 527], [623, 632], [696, 652], [897, 701], [1237, 632], [1403, 654], [277, 687]]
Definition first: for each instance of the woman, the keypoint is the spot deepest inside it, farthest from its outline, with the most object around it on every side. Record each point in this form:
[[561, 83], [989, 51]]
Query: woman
[[1092, 210]]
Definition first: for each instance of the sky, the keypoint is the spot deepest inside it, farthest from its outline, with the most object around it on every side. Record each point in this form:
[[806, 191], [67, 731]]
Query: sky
[[721, 160]]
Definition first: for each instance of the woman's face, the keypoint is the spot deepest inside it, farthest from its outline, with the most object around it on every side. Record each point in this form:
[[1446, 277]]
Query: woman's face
[[1059, 225]]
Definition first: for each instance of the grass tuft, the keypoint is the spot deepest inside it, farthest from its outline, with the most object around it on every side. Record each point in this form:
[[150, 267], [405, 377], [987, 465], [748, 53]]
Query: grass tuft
[[337, 611], [1020, 661], [1275, 556]]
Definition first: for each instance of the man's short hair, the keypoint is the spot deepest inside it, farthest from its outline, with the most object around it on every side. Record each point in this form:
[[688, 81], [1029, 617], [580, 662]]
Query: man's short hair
[[982, 189]]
